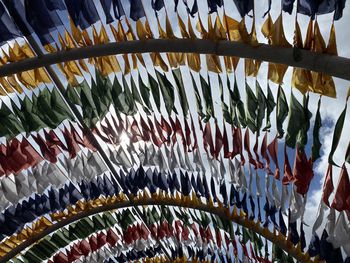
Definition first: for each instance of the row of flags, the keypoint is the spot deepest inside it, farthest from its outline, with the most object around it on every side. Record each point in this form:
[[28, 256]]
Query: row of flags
[[135, 182], [225, 28], [42, 17]]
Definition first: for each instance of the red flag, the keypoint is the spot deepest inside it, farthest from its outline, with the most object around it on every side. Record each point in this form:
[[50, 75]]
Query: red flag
[[235, 249], [188, 136], [87, 141], [33, 157], [166, 127], [158, 142], [72, 146], [112, 237], [218, 141], [227, 153], [74, 253], [342, 194], [3, 160], [146, 131], [60, 258], [208, 139], [106, 131], [159, 129], [109, 130], [237, 143], [247, 149], [48, 153], [136, 134], [273, 151], [302, 171], [328, 186], [287, 174], [93, 243], [195, 141], [101, 239], [52, 142], [255, 150], [144, 232], [263, 152], [85, 247], [15, 160], [245, 251], [218, 238]]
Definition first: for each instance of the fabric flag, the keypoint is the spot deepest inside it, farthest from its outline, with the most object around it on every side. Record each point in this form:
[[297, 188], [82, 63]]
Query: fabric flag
[[251, 109], [237, 107], [298, 124], [118, 9], [341, 197], [181, 90], [8, 29], [167, 90], [82, 12], [328, 185], [214, 4], [316, 144], [244, 6], [270, 105], [208, 99], [336, 135], [136, 10], [302, 171], [282, 111], [198, 98]]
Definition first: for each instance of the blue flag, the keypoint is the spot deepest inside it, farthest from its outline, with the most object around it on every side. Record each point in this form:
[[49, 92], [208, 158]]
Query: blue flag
[[213, 5], [82, 12], [136, 10], [8, 29], [118, 9], [244, 6]]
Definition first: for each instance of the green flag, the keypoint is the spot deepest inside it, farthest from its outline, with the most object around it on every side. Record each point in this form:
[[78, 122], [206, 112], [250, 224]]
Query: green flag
[[181, 91], [282, 111], [145, 94], [72, 94], [10, 126], [60, 107], [155, 91], [251, 109], [137, 96], [28, 115], [262, 106], [270, 105], [237, 107], [101, 106], [296, 121], [198, 98], [90, 113], [337, 134], [126, 99], [225, 110], [208, 99], [167, 214], [108, 219], [245, 235], [167, 90], [316, 144]]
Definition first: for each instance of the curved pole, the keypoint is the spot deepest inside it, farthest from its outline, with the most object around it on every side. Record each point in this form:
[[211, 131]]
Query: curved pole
[[185, 202], [332, 65]]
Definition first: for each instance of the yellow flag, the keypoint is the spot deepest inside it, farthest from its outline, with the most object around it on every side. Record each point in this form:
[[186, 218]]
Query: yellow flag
[[27, 78], [332, 42], [219, 29], [243, 32], [168, 28], [158, 61], [251, 67], [141, 31], [213, 63], [13, 82], [41, 75], [277, 37], [266, 28], [276, 72], [201, 29], [232, 26], [191, 32], [77, 34], [309, 36], [323, 84], [318, 44], [162, 33], [182, 27], [6, 86], [302, 80], [86, 37], [297, 40]]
